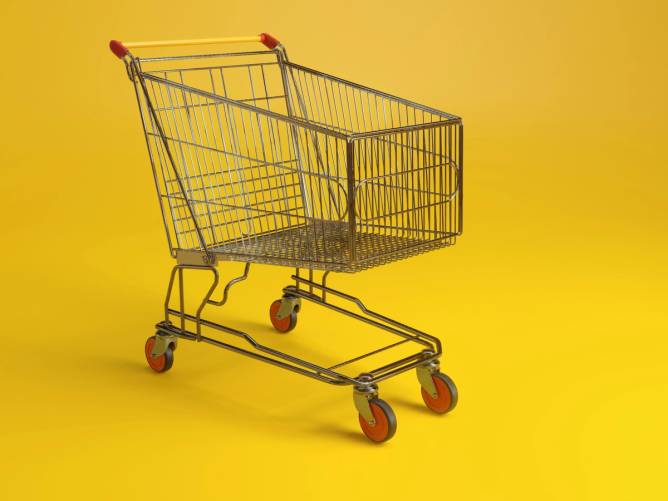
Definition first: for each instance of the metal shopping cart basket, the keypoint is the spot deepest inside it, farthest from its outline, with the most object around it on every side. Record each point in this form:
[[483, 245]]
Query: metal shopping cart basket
[[260, 160]]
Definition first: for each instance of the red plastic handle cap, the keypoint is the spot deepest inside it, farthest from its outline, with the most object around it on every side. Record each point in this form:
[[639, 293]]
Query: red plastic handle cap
[[118, 49], [269, 41]]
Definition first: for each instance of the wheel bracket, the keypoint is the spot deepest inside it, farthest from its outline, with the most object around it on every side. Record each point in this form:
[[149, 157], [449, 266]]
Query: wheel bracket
[[288, 305], [361, 397], [162, 342], [424, 375]]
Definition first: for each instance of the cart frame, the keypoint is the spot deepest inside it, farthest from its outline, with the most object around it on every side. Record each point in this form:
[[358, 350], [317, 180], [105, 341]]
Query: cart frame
[[426, 361], [202, 255]]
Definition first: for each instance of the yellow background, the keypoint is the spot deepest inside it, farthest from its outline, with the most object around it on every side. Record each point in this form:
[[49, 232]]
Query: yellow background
[[552, 305]]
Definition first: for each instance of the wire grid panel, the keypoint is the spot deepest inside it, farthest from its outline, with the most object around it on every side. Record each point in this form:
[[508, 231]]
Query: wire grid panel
[[407, 194], [351, 108], [259, 157], [406, 164], [245, 176]]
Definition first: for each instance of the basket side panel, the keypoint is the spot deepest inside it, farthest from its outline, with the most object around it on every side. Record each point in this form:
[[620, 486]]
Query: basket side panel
[[408, 196], [260, 189], [350, 108]]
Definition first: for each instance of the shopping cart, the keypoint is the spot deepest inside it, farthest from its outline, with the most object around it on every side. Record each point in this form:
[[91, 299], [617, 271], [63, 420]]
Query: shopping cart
[[260, 160]]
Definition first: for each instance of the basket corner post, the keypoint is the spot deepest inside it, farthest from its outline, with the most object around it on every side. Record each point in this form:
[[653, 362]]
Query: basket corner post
[[352, 219], [461, 178]]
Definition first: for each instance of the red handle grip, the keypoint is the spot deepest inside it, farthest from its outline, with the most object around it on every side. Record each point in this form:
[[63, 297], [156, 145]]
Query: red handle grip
[[118, 49], [269, 41]]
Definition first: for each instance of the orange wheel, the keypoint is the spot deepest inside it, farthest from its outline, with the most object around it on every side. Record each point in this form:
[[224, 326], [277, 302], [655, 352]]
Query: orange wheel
[[446, 399], [159, 364], [386, 421], [283, 324]]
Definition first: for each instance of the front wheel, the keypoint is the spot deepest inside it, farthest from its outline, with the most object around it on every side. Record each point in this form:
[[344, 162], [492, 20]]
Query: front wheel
[[446, 397], [386, 422]]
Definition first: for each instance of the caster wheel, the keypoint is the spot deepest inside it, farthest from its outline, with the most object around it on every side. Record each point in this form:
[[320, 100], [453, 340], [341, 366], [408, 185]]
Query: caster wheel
[[159, 364], [282, 324], [386, 422], [446, 400]]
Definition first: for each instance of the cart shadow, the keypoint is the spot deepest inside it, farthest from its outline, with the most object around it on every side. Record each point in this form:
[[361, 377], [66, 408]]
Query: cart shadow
[[341, 433], [417, 407], [181, 391]]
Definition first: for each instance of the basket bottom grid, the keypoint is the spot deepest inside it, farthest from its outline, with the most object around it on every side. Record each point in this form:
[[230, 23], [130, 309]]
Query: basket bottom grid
[[324, 245]]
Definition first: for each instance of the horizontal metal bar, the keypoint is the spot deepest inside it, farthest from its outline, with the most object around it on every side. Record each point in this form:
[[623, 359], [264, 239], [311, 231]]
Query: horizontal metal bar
[[416, 337], [374, 352], [235, 169], [294, 360], [420, 359], [395, 173], [192, 41], [406, 248], [382, 135], [224, 152], [204, 56], [279, 363], [260, 111], [407, 210], [252, 208], [376, 92], [398, 363], [245, 239], [246, 194], [301, 262], [323, 262], [228, 209], [279, 164], [394, 187], [217, 67], [405, 229], [404, 128], [361, 306], [206, 105], [313, 125]]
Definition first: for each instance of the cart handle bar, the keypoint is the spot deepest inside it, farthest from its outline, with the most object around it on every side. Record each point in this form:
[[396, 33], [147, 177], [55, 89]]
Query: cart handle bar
[[120, 49]]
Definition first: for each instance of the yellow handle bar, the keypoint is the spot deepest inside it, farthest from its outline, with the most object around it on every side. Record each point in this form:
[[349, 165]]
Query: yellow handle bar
[[120, 49]]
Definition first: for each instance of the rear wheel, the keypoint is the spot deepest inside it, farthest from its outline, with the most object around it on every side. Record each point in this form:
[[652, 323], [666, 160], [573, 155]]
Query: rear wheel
[[161, 363], [386, 422], [285, 324]]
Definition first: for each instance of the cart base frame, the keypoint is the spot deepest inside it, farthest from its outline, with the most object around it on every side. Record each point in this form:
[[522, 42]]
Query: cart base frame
[[365, 385]]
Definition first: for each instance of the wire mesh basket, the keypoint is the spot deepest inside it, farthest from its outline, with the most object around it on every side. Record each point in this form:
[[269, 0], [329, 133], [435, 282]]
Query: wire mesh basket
[[258, 159]]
